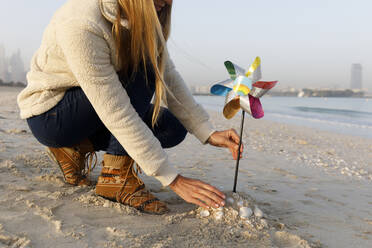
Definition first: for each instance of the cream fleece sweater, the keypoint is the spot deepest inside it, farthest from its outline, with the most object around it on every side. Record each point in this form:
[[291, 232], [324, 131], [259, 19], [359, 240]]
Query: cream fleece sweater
[[78, 50]]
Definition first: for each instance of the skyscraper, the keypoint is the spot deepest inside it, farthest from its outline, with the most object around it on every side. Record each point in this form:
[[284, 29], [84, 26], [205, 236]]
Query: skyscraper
[[17, 69], [12, 68], [3, 64], [356, 76]]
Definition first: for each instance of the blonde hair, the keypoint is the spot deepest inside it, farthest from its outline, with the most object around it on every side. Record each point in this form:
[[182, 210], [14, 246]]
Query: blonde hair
[[143, 42]]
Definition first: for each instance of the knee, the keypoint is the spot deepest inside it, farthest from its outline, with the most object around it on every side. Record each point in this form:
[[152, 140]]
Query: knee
[[181, 133], [175, 135], [173, 132]]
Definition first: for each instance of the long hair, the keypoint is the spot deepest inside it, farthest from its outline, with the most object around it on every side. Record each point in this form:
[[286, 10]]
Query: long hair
[[143, 42]]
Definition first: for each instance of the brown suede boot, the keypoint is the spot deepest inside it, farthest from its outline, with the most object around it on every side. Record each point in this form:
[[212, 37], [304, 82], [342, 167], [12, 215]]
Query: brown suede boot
[[119, 182], [73, 160]]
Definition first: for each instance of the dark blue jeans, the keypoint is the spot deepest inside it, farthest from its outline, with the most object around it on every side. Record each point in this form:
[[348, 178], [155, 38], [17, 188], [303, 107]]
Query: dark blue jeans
[[74, 119]]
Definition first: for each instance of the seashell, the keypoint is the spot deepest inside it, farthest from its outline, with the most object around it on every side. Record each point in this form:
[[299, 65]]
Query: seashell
[[280, 226], [220, 209], [230, 200], [235, 195], [107, 204], [264, 223], [234, 213], [218, 215], [204, 213], [257, 212], [248, 222], [245, 212]]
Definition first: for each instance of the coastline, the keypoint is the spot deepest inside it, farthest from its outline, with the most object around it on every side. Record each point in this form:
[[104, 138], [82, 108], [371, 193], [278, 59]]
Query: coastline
[[19, 86], [367, 96], [349, 116], [313, 186]]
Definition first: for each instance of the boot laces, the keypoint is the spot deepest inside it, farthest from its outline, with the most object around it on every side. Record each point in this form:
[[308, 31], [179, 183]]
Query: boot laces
[[135, 170], [90, 162], [140, 188]]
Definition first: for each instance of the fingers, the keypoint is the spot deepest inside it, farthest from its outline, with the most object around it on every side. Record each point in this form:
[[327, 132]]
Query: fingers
[[234, 135], [212, 193], [234, 149], [236, 138], [208, 201], [229, 139], [212, 189], [235, 153], [233, 145], [209, 195], [199, 203], [198, 192]]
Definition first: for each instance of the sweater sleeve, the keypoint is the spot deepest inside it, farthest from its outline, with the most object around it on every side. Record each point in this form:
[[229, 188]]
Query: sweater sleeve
[[183, 105], [88, 56]]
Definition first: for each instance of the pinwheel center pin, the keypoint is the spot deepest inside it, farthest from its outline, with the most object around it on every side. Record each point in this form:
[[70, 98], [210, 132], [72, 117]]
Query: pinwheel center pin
[[243, 91]]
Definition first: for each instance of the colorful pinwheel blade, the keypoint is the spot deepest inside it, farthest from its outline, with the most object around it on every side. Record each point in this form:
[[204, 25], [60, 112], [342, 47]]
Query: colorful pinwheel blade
[[234, 70], [265, 85], [232, 105], [245, 104], [256, 107], [252, 106], [261, 88], [222, 88], [257, 75], [254, 66]]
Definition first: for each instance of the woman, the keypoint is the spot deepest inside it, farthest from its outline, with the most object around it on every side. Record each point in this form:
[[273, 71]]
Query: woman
[[90, 88]]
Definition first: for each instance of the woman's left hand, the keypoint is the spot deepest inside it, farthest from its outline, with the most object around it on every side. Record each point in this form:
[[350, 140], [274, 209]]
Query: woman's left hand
[[228, 139]]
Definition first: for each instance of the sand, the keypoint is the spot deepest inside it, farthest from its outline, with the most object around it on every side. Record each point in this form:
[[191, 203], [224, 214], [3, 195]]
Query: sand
[[313, 187]]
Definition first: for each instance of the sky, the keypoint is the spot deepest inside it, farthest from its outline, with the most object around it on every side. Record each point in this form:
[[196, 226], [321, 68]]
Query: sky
[[301, 43]]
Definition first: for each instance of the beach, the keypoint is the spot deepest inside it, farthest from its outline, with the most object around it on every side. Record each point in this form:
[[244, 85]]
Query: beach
[[314, 188]]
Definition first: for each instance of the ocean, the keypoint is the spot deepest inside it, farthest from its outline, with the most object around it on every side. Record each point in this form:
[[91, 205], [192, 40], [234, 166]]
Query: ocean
[[352, 116]]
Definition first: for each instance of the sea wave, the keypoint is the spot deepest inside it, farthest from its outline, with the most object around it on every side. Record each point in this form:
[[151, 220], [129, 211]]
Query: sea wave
[[322, 121], [333, 111]]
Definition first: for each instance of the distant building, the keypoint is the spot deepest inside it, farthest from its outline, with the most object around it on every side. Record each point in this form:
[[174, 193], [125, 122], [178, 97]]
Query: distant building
[[4, 68], [12, 68], [331, 93], [318, 92], [200, 90], [356, 76], [17, 68]]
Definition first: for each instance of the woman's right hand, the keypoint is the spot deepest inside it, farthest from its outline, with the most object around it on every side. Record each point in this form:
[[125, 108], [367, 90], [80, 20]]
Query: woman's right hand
[[197, 192]]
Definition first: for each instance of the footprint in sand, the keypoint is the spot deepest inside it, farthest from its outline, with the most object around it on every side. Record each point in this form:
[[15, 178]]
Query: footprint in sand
[[284, 240], [369, 221], [285, 173], [16, 131], [11, 240], [46, 214], [307, 202], [324, 198]]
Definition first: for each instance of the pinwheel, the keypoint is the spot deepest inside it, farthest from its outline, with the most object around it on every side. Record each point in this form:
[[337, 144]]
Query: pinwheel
[[243, 91]]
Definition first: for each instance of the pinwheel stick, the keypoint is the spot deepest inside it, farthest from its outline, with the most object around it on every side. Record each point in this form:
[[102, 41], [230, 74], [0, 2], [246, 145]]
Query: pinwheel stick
[[238, 159]]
